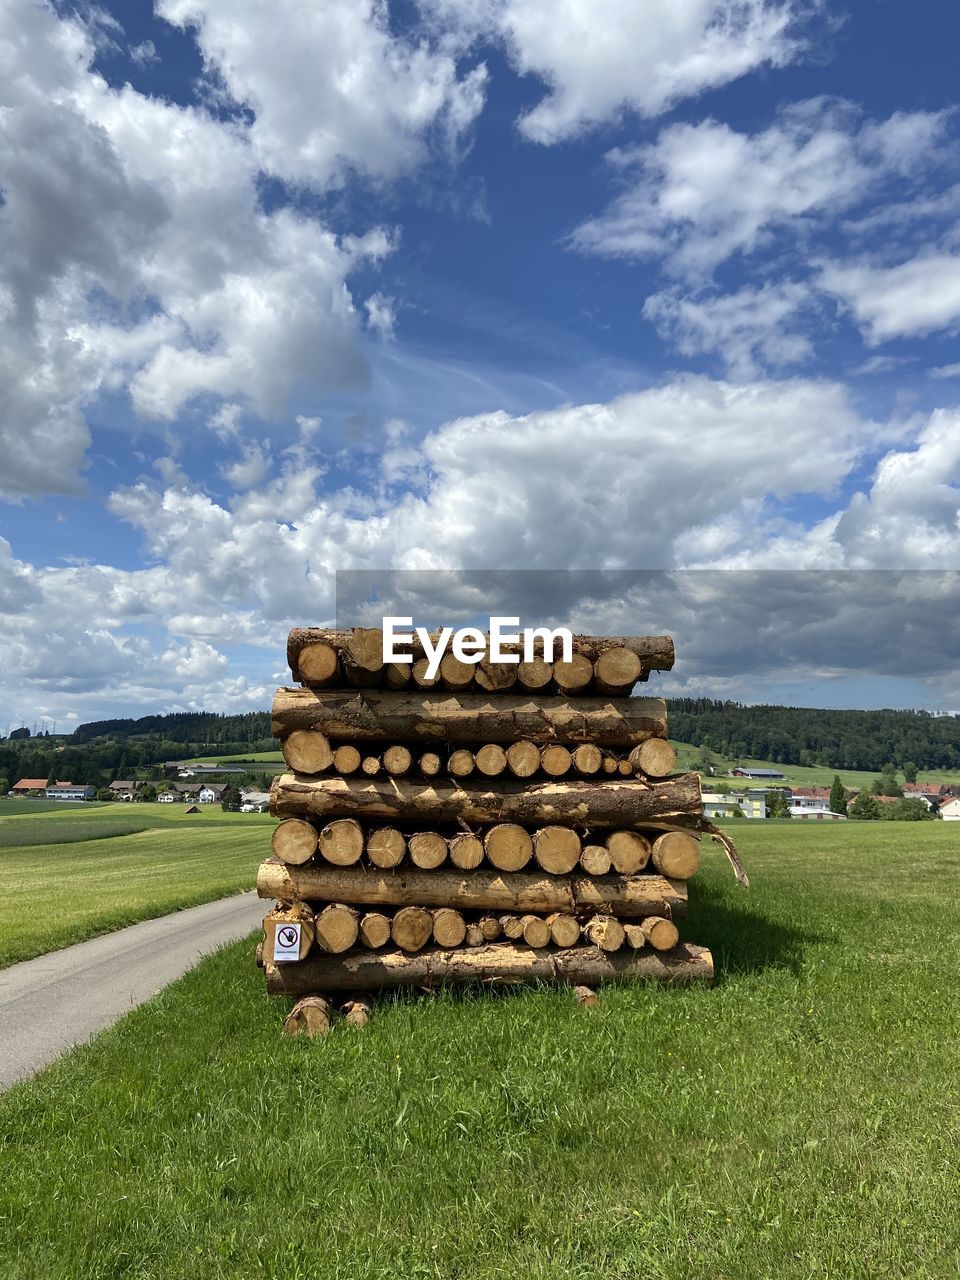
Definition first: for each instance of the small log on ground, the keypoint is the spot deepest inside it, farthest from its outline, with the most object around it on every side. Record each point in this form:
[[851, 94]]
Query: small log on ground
[[655, 757], [523, 758], [660, 933], [508, 846], [564, 929], [491, 760], [397, 761], [604, 932], [412, 928], [630, 897], [307, 751], [408, 716], [427, 850], [337, 928], [449, 927], [586, 996], [556, 760], [497, 962], [309, 1017], [629, 851], [346, 759], [386, 847], [536, 931], [466, 851], [556, 849], [374, 929], [595, 860], [676, 854], [571, 802], [357, 1013], [294, 841], [341, 842]]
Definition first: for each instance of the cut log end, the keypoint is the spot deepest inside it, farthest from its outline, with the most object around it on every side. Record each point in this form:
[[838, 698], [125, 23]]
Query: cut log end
[[427, 850], [655, 757], [617, 670], [491, 760], [508, 846], [346, 759], [586, 996], [357, 1013], [461, 763], [307, 751], [412, 928], [676, 854], [309, 1017], [604, 932], [337, 928], [564, 929], [629, 851], [449, 927], [341, 842], [386, 847], [294, 841], [319, 665], [556, 849], [573, 676], [660, 933], [556, 760], [374, 930], [466, 852], [523, 758]]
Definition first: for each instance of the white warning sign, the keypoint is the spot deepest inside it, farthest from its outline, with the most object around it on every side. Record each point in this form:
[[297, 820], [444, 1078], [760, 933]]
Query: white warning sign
[[286, 943]]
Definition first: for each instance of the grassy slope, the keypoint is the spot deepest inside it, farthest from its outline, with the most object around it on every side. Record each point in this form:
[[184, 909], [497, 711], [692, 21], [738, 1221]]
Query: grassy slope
[[796, 775], [58, 893], [82, 823], [799, 1120], [10, 807]]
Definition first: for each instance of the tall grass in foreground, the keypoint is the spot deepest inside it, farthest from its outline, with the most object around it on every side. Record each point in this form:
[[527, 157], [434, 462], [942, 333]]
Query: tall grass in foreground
[[799, 1120]]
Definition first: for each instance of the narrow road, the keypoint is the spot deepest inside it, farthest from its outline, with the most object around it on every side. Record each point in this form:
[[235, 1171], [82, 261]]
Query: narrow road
[[49, 1004]]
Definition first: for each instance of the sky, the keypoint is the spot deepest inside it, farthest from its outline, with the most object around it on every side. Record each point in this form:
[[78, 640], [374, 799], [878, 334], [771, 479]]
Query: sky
[[601, 285]]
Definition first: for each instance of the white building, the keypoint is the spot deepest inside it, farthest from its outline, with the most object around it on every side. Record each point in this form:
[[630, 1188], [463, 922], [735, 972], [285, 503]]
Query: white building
[[950, 812]]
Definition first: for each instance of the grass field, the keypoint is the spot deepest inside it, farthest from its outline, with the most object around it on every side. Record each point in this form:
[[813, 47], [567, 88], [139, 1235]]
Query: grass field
[[10, 807], [801, 1120], [68, 877], [796, 775], [257, 757]]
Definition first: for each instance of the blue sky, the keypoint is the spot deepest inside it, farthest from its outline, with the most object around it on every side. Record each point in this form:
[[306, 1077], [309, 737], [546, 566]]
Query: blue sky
[[513, 283]]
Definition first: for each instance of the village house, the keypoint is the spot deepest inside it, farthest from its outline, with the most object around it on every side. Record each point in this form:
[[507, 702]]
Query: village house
[[29, 786], [950, 810], [759, 775], [124, 790], [69, 791]]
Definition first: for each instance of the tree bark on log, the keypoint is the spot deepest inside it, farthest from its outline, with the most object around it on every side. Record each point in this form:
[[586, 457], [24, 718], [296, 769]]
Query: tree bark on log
[[631, 897], [656, 653], [309, 1017], [375, 716], [578, 802], [357, 1013], [498, 962], [586, 996]]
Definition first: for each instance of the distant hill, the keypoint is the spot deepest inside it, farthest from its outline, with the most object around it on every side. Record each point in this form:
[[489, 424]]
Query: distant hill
[[204, 727], [805, 736]]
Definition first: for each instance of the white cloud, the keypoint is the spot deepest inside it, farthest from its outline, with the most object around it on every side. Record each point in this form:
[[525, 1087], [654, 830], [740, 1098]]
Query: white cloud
[[918, 296], [746, 329], [602, 58], [381, 314], [251, 468], [946, 371], [703, 193], [330, 86], [144, 53]]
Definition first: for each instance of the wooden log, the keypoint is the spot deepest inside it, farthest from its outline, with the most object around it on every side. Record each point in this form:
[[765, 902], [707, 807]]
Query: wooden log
[[341, 842], [556, 760], [370, 766], [294, 841], [346, 759], [490, 928], [586, 996], [495, 677], [655, 757], [460, 764], [656, 653], [455, 674], [587, 759], [397, 675], [564, 929], [337, 928], [386, 847], [474, 936], [609, 764], [597, 804], [523, 758], [629, 851], [377, 716], [605, 932], [556, 849], [573, 676], [357, 1013], [508, 846], [419, 675], [319, 665], [309, 1017], [362, 657], [412, 928], [466, 851], [307, 751], [512, 927], [616, 671], [625, 768], [630, 897], [535, 676], [430, 764], [595, 860], [291, 913], [536, 931], [374, 929], [397, 761], [661, 934], [676, 854], [634, 936], [449, 927], [427, 850], [491, 760], [496, 962]]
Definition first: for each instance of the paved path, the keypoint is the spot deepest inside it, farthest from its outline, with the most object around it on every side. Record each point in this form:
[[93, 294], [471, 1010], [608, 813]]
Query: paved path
[[49, 1004]]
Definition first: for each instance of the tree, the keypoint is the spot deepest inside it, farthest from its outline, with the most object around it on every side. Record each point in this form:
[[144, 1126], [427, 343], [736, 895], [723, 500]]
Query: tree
[[838, 797], [4, 785], [910, 771], [865, 808], [230, 801], [778, 806], [104, 794], [19, 733], [147, 792], [911, 810]]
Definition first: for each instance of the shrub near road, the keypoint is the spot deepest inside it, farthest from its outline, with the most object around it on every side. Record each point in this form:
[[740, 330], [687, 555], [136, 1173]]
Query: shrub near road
[[799, 1120]]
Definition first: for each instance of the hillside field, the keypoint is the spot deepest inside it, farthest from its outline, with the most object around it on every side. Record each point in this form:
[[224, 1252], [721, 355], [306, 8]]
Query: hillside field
[[801, 1119], [796, 775]]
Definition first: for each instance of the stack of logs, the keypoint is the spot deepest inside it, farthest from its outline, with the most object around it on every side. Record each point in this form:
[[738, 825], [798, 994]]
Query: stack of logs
[[501, 823]]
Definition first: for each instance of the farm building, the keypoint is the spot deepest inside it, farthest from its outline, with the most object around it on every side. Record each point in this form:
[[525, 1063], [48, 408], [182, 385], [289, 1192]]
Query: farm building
[[760, 775], [950, 812], [69, 791], [27, 785]]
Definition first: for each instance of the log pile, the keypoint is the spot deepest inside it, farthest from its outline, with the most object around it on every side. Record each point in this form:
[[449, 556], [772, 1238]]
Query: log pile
[[502, 823]]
